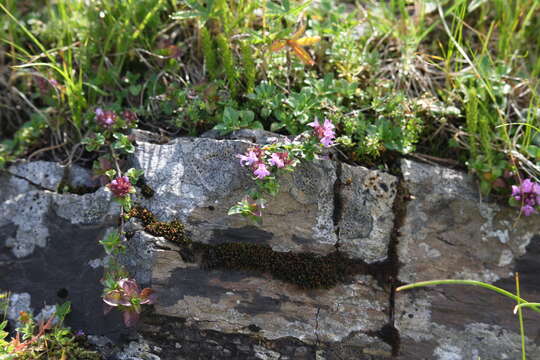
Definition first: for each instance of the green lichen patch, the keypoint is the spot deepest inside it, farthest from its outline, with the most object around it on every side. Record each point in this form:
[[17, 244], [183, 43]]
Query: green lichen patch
[[306, 270], [173, 231]]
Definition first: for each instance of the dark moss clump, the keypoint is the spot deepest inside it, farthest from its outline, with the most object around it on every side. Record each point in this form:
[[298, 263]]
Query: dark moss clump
[[146, 190], [306, 270], [173, 231], [142, 214]]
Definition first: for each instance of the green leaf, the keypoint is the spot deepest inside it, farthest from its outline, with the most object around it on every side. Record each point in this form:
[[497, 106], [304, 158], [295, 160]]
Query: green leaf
[[111, 174], [135, 90], [134, 175], [184, 15], [63, 310], [275, 126]]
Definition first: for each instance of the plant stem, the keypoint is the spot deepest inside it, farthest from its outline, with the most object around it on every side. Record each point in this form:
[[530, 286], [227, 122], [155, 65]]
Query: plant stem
[[118, 174], [520, 316], [467, 282]]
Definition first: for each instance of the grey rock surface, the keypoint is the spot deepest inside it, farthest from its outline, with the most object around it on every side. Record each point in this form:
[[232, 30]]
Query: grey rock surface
[[138, 350], [47, 175], [236, 302], [367, 219], [198, 180], [50, 254], [47, 243], [450, 233]]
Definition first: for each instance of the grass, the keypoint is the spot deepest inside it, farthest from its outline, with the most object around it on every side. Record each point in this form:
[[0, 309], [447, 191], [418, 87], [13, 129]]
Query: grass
[[450, 80]]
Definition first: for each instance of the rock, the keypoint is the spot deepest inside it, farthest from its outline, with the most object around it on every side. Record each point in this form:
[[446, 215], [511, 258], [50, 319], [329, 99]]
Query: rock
[[47, 175], [139, 257], [48, 242], [23, 221], [137, 350], [18, 302], [43, 174], [81, 177], [236, 302], [12, 186], [367, 218], [450, 233], [249, 135], [46, 313], [198, 180]]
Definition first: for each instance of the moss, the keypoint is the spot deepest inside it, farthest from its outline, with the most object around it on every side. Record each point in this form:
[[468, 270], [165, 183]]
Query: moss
[[146, 191], [173, 231], [306, 270]]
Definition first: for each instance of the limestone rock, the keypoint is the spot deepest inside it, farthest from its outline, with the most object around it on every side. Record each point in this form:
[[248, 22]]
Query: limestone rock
[[44, 174], [47, 243], [367, 218], [198, 180], [48, 175], [237, 302], [137, 350], [450, 233]]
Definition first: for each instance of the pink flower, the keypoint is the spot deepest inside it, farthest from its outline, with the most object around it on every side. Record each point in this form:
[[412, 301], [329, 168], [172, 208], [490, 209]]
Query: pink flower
[[324, 132], [120, 187], [105, 118], [129, 116], [528, 210], [276, 160], [280, 159], [249, 159], [261, 171], [327, 141], [528, 193]]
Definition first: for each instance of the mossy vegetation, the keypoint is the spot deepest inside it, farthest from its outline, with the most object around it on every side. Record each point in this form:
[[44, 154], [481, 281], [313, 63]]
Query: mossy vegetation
[[306, 270], [173, 231], [146, 191], [454, 80], [44, 340]]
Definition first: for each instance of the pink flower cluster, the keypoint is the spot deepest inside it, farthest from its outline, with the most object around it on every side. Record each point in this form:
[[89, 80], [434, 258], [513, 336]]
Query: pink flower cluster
[[324, 132], [258, 161], [120, 187], [129, 116], [105, 118], [528, 193]]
